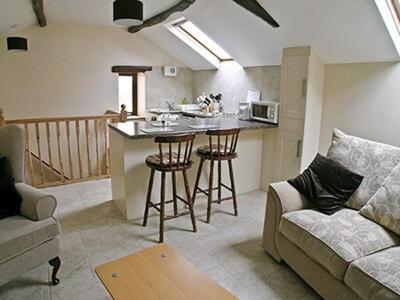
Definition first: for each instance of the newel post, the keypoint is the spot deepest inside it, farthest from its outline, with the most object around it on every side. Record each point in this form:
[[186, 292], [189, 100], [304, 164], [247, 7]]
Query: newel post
[[2, 119]]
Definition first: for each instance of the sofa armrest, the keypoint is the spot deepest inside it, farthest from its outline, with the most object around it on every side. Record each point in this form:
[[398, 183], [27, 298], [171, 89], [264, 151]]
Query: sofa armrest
[[282, 198], [36, 205]]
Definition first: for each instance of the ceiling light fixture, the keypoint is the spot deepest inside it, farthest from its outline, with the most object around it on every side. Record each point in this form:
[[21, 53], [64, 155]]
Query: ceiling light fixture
[[128, 12], [17, 44]]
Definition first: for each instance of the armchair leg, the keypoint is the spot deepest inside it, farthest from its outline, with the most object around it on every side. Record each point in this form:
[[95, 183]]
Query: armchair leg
[[55, 263]]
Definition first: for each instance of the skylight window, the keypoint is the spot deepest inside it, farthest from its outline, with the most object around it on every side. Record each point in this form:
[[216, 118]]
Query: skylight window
[[390, 11], [194, 37]]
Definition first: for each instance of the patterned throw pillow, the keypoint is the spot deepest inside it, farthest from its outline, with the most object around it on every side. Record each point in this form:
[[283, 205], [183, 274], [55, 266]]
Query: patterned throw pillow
[[372, 160], [384, 207]]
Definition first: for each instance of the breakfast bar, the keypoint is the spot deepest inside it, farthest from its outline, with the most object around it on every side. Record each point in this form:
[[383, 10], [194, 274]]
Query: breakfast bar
[[132, 142]]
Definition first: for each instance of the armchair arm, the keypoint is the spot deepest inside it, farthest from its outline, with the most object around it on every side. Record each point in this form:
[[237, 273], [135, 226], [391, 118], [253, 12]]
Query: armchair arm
[[282, 198], [36, 205]]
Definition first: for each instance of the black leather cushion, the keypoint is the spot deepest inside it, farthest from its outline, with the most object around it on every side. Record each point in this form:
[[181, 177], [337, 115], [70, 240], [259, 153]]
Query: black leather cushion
[[10, 199], [327, 184]]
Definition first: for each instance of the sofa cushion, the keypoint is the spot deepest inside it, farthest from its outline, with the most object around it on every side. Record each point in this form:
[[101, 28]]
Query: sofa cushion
[[337, 240], [376, 276], [18, 234], [384, 206], [371, 159]]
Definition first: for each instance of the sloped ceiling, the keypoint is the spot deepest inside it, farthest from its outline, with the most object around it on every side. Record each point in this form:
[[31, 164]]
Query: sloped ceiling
[[340, 31]]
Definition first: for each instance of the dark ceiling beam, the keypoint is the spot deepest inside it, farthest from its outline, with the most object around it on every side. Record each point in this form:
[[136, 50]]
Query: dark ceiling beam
[[130, 70], [161, 17], [256, 8], [39, 11]]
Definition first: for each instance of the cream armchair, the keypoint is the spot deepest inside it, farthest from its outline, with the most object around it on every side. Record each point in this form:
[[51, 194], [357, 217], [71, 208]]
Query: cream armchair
[[31, 238]]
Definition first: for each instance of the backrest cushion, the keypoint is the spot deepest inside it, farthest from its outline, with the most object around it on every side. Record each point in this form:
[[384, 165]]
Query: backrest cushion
[[370, 159], [384, 206], [12, 146]]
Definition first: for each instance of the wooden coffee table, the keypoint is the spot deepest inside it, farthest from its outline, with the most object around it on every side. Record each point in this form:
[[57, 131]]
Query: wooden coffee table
[[158, 273]]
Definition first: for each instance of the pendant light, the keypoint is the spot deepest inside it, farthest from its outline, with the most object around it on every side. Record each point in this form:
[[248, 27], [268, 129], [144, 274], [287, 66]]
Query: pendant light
[[128, 12], [17, 44]]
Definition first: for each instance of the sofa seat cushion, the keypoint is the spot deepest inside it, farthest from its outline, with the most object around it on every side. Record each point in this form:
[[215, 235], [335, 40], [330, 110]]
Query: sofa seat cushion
[[18, 234], [337, 240], [376, 276]]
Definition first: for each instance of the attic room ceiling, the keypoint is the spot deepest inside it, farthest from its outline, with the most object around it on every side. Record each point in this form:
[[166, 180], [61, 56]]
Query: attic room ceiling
[[340, 31]]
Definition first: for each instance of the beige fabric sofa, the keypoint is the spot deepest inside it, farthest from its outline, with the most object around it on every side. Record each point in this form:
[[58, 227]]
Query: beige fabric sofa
[[343, 256], [31, 238]]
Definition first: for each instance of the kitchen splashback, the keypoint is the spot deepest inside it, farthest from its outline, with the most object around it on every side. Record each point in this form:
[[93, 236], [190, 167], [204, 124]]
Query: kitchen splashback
[[233, 82], [172, 89]]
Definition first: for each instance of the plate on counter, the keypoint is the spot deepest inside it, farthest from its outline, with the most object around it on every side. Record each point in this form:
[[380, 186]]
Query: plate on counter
[[203, 126], [156, 130], [160, 124]]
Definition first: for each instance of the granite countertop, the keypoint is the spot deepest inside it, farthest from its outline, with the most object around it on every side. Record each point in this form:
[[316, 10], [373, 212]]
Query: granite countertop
[[133, 129]]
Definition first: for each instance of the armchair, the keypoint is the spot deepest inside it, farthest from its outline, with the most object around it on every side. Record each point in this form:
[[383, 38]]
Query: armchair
[[31, 238]]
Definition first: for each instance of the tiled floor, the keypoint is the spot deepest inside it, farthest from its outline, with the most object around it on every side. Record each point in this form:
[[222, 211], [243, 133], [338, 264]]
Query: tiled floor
[[93, 232]]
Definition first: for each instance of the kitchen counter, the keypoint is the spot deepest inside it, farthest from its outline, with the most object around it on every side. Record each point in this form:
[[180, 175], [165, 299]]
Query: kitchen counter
[[133, 130], [129, 147]]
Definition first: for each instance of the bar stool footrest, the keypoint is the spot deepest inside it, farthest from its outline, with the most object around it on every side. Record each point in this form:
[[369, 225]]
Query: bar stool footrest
[[227, 187], [166, 218], [183, 200], [222, 199], [205, 191]]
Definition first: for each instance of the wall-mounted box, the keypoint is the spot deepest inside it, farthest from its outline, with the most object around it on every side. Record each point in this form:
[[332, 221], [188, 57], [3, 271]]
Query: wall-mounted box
[[170, 71]]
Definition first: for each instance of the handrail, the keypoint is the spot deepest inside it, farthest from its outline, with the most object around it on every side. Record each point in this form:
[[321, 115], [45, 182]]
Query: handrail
[[64, 119], [75, 148]]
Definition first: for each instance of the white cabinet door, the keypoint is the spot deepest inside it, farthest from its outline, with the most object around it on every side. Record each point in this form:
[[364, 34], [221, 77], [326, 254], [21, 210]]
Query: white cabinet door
[[293, 87], [288, 155]]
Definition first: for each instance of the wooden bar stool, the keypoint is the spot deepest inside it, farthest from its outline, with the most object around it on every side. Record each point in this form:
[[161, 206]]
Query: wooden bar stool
[[170, 162], [216, 151]]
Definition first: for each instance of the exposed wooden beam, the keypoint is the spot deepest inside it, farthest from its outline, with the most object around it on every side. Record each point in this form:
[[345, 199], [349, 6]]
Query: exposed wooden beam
[[256, 8], [161, 17], [39, 11], [130, 70]]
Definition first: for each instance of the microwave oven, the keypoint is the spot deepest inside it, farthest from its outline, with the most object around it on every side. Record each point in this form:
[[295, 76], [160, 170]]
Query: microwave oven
[[265, 111]]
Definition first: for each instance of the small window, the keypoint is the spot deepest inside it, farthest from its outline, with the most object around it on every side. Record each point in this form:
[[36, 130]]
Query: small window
[[390, 12], [199, 41], [396, 12], [126, 93]]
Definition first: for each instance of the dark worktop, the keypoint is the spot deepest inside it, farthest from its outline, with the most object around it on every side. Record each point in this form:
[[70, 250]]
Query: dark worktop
[[132, 129]]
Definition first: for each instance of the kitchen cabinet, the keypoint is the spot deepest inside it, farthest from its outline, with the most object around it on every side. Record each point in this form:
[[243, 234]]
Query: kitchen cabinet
[[293, 87], [288, 153], [301, 97]]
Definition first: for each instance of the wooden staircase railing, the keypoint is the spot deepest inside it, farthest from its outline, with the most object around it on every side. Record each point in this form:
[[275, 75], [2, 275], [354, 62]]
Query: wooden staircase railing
[[73, 149]]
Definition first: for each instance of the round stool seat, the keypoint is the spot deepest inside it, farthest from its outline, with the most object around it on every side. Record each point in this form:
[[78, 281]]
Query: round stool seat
[[205, 151], [154, 161]]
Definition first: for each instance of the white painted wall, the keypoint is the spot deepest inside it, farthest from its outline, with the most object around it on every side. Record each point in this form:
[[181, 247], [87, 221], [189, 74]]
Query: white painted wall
[[67, 70], [363, 100]]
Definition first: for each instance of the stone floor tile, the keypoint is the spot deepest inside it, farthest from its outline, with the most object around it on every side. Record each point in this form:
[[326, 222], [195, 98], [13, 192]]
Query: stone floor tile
[[229, 249]]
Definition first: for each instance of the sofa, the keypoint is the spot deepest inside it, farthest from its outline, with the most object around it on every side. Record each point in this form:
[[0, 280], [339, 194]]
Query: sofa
[[344, 255], [31, 238]]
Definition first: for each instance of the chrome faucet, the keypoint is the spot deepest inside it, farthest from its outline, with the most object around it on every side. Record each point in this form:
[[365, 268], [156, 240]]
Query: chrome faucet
[[171, 105]]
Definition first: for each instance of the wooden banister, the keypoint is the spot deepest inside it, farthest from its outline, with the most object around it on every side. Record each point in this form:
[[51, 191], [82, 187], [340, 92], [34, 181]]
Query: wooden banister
[[113, 117], [63, 143]]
